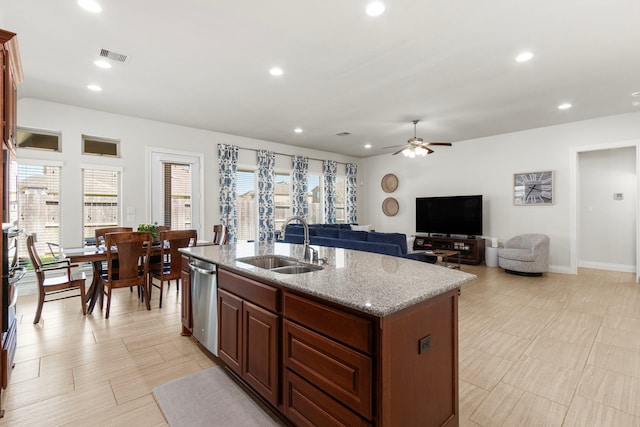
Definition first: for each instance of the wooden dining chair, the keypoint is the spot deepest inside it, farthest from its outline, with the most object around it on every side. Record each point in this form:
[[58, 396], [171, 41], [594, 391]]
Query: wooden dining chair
[[100, 232], [171, 267], [220, 234], [127, 248], [58, 285]]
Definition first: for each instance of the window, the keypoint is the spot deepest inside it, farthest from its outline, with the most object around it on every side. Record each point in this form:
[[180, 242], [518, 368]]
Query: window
[[282, 202], [314, 199], [39, 205], [38, 139], [246, 211], [340, 198], [100, 146], [101, 194], [177, 196]]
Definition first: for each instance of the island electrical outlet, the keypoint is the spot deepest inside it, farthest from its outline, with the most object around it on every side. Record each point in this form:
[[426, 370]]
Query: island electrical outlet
[[424, 344]]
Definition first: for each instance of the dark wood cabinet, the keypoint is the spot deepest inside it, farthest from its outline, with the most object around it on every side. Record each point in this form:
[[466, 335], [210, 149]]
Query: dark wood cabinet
[[471, 250], [260, 350], [10, 76], [185, 309], [320, 363], [249, 332], [230, 330]]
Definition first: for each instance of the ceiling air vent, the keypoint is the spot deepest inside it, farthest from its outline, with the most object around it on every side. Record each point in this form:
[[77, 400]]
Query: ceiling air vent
[[343, 133], [114, 56]]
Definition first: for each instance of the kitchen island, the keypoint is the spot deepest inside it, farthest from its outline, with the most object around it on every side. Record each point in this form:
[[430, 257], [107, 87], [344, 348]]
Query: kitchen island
[[368, 340]]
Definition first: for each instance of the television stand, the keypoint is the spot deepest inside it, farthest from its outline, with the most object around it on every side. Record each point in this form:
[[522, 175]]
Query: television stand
[[471, 250]]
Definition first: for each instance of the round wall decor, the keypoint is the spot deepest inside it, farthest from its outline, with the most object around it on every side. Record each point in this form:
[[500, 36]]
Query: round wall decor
[[390, 206], [389, 183]]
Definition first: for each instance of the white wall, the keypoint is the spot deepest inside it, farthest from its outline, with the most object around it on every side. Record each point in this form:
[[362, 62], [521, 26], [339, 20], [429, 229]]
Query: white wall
[[604, 221], [486, 166], [135, 136]]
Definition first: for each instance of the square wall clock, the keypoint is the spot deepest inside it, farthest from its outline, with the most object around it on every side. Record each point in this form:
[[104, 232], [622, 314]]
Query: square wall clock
[[533, 188]]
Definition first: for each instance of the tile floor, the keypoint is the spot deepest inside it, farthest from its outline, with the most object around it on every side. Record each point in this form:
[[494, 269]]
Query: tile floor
[[560, 350]]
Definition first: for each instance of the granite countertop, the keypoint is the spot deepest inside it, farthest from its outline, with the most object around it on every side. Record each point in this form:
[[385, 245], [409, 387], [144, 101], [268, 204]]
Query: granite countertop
[[372, 283]]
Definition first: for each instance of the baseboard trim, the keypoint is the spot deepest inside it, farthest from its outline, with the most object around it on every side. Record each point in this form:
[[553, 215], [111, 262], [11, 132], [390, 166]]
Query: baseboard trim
[[624, 268]]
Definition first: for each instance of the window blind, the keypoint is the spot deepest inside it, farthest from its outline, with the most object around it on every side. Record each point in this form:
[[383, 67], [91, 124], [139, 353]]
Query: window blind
[[39, 206], [101, 196], [177, 196], [246, 208]]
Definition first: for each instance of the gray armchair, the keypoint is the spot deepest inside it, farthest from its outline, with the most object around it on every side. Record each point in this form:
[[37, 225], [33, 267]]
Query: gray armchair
[[526, 254]]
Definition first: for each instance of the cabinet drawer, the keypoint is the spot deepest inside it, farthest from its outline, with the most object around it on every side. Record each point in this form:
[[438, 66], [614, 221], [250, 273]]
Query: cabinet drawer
[[305, 405], [342, 372], [258, 293], [349, 329]]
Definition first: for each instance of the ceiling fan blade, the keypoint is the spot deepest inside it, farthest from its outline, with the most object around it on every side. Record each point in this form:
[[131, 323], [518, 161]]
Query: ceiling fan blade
[[446, 144], [429, 151], [399, 151], [393, 146]]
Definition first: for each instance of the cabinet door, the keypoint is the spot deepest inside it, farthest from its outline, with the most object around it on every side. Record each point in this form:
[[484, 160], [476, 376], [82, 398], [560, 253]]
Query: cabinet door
[[4, 71], [260, 367], [187, 320], [230, 330]]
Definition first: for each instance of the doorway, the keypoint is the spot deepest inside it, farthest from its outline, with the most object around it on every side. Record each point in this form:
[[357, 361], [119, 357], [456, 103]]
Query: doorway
[[605, 207], [175, 190]]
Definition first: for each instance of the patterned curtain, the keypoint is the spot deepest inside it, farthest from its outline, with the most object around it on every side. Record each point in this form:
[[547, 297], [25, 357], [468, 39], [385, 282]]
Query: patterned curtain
[[330, 168], [266, 195], [352, 186], [299, 186], [227, 167]]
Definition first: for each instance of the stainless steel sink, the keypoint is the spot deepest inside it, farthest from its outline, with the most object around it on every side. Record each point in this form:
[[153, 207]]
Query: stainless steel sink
[[269, 262], [297, 269], [280, 264]]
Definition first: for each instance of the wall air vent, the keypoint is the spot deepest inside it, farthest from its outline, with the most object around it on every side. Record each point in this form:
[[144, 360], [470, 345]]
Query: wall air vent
[[114, 56], [343, 133]]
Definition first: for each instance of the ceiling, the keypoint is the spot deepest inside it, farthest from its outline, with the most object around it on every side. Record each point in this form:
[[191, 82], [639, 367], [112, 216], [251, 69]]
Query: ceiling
[[205, 64]]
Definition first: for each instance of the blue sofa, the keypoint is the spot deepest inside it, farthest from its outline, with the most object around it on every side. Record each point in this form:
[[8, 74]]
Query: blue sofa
[[341, 236]]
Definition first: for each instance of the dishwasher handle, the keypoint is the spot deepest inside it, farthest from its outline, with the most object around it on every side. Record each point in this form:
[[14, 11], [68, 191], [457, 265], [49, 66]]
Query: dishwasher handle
[[202, 270]]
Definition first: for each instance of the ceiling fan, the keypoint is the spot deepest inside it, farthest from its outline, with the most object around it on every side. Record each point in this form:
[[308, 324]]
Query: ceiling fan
[[416, 146]]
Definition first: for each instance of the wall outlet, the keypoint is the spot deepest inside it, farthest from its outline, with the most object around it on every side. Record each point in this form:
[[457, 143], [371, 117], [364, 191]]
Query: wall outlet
[[424, 344]]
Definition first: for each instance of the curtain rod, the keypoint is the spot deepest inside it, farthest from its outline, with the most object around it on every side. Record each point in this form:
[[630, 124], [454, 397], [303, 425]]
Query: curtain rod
[[289, 155]]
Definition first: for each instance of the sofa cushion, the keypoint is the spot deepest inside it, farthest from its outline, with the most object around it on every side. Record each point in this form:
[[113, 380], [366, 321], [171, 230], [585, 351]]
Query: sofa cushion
[[379, 248], [345, 226], [517, 254], [331, 225], [399, 239], [353, 235], [295, 229], [327, 232]]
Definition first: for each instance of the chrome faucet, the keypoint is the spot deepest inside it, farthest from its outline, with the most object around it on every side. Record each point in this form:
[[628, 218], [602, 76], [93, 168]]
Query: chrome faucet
[[308, 250]]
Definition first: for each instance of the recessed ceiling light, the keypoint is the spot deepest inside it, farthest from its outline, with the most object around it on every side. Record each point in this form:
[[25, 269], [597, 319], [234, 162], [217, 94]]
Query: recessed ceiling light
[[94, 88], [524, 57], [375, 9], [367, 146], [298, 130], [636, 93], [275, 71], [564, 106], [102, 64], [90, 6]]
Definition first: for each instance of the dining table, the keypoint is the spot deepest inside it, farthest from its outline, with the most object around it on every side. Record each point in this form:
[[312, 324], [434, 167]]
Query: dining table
[[95, 255]]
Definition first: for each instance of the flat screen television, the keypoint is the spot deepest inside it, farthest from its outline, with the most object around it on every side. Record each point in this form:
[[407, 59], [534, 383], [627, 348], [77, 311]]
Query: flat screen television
[[461, 215]]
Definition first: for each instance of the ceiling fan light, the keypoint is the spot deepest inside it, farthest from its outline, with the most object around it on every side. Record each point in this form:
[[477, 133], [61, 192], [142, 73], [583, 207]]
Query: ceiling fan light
[[406, 152], [421, 151]]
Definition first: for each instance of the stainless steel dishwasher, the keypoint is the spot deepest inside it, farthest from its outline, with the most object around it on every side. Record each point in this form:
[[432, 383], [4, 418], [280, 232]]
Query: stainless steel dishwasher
[[204, 303]]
